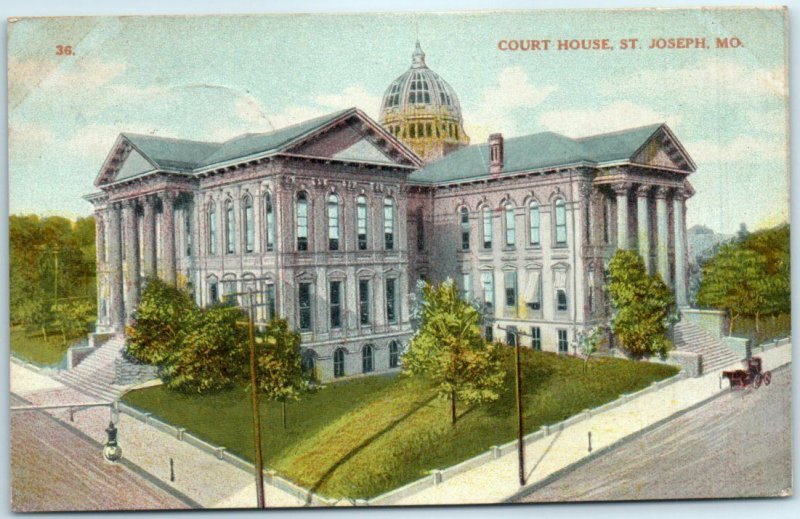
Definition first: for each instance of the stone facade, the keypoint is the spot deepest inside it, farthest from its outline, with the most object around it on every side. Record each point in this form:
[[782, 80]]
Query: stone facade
[[330, 224]]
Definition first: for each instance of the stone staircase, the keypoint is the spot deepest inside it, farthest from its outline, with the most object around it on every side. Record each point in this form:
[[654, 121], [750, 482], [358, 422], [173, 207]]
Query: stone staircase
[[690, 337], [95, 375]]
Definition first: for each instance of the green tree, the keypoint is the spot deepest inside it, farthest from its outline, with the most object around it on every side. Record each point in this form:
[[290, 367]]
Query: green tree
[[589, 342], [279, 372], [72, 316], [733, 281], [643, 306], [213, 355], [450, 350], [163, 319]]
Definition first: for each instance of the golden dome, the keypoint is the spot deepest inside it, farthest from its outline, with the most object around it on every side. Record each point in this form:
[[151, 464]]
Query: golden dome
[[422, 110]]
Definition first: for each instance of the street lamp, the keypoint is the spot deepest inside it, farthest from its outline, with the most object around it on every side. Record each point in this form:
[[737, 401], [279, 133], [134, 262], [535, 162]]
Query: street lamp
[[112, 451], [515, 334]]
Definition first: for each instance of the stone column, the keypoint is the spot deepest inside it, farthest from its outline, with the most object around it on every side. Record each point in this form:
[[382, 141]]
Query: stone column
[[101, 269], [679, 230], [643, 224], [621, 190], [132, 274], [116, 284], [149, 236], [662, 241], [168, 236]]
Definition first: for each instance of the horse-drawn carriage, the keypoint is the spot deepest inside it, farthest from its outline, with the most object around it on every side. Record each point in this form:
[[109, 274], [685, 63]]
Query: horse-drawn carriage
[[752, 376]]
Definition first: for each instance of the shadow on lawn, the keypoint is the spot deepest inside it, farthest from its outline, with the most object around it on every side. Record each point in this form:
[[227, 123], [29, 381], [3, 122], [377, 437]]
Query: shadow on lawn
[[366, 443]]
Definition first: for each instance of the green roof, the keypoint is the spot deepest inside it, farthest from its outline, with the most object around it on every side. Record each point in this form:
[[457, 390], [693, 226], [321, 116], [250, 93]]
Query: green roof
[[186, 155], [536, 151]]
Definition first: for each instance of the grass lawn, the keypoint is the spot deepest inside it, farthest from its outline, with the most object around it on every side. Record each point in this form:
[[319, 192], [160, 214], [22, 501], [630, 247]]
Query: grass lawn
[[33, 347], [359, 438]]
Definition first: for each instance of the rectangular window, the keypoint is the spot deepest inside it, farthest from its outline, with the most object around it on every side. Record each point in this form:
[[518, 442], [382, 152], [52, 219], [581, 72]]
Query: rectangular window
[[511, 336], [213, 293], [560, 285], [536, 338], [511, 226], [335, 303], [250, 231], [487, 283], [563, 344], [304, 304], [533, 290], [230, 228], [561, 222], [487, 228], [420, 232], [361, 214], [466, 287], [464, 228], [187, 219], [391, 301], [535, 224], [388, 224], [363, 301], [511, 289], [489, 333], [270, 222], [269, 295]]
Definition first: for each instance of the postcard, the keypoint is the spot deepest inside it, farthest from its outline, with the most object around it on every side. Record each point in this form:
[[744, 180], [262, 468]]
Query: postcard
[[277, 261]]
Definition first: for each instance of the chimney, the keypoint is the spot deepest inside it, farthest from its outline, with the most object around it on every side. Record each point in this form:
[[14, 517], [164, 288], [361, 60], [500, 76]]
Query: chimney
[[496, 153]]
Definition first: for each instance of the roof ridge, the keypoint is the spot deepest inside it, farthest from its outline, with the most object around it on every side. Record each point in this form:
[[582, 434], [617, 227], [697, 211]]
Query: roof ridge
[[618, 132], [160, 137]]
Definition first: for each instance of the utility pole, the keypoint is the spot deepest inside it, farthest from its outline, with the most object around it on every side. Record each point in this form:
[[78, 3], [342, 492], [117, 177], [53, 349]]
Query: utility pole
[[256, 414], [520, 421]]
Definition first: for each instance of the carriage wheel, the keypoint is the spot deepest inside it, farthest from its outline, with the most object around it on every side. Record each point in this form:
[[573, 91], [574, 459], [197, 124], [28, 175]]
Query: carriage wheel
[[757, 380], [767, 378]]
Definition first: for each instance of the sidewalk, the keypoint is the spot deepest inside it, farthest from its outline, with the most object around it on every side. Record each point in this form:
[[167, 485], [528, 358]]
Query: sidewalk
[[209, 481], [498, 480], [214, 483]]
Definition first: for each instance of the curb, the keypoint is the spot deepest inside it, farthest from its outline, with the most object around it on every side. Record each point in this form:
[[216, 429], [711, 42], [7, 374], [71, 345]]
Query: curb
[[133, 467], [608, 448]]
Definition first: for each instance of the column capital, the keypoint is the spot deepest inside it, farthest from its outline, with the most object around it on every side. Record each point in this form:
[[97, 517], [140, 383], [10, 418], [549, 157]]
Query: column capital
[[643, 190], [129, 203], [679, 194], [621, 188], [661, 192], [168, 196]]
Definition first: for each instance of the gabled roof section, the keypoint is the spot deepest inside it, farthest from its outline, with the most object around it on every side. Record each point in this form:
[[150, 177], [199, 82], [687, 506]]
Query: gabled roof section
[[191, 157], [551, 150]]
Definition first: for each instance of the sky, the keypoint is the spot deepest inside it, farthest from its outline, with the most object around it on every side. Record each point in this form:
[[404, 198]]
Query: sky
[[211, 78]]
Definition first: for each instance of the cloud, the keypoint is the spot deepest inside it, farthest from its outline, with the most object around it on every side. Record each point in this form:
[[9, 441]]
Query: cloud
[[63, 77], [615, 116], [767, 121], [739, 149], [354, 95], [502, 104], [719, 79]]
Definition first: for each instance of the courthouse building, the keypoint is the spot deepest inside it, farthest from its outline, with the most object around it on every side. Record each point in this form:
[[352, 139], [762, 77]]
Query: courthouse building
[[331, 222]]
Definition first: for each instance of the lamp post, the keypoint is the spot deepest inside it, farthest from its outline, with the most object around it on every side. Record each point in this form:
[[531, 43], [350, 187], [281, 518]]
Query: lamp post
[[256, 413], [112, 451]]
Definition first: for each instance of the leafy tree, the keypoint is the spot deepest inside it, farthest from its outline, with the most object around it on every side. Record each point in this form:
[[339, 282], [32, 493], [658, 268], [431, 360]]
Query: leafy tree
[[644, 306], [749, 277], [72, 316], [280, 373], [163, 319], [588, 342], [213, 355], [450, 350]]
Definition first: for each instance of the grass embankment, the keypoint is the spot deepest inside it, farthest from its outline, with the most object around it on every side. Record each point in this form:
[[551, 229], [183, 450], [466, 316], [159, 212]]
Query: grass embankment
[[34, 347], [362, 437], [770, 327]]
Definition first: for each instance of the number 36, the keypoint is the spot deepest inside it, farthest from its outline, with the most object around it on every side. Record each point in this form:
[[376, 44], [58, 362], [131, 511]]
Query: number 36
[[63, 50]]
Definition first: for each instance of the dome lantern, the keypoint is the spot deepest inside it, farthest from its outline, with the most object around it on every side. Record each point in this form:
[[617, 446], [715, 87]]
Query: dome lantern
[[422, 110]]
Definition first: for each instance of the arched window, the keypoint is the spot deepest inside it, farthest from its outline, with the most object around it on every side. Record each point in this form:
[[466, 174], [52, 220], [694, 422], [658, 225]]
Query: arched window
[[338, 363], [249, 225], [388, 223], [333, 222], [487, 227], [309, 363], [269, 218], [367, 355], [420, 230], [464, 216], [361, 216], [534, 222], [230, 228], [561, 222], [394, 354], [302, 221], [229, 289], [212, 229], [511, 225], [213, 290]]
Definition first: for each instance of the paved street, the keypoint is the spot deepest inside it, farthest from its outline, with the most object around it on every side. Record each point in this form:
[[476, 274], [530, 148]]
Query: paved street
[[735, 446], [53, 468]]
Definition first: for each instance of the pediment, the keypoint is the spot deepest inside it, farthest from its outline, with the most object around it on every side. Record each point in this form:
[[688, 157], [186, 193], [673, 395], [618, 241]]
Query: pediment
[[134, 164], [358, 139], [663, 150]]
